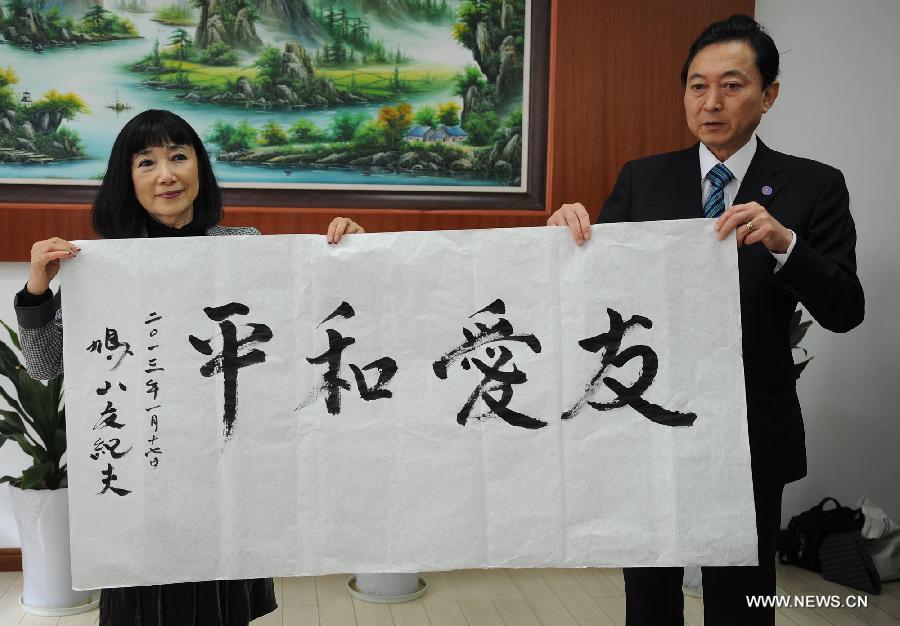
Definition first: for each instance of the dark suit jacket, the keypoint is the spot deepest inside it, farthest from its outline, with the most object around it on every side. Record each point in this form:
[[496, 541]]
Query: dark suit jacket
[[811, 199]]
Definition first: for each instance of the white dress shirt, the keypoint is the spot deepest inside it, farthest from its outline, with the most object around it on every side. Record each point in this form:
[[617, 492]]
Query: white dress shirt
[[738, 164]]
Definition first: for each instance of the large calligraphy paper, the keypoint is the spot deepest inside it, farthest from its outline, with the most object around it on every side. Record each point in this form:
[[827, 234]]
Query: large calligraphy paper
[[241, 407]]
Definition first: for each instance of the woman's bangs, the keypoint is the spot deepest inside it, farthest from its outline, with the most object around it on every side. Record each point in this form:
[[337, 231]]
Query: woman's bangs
[[157, 131]]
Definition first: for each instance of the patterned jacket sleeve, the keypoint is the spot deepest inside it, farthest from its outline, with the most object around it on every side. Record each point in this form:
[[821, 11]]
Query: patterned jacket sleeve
[[40, 333]]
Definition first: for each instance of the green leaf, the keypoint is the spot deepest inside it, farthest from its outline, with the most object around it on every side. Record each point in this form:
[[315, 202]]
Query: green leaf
[[35, 452], [21, 414], [55, 389], [35, 474], [38, 401], [799, 367], [13, 336], [12, 417], [37, 405], [56, 479], [798, 327], [9, 363], [795, 317], [799, 333], [58, 447], [11, 427], [11, 401]]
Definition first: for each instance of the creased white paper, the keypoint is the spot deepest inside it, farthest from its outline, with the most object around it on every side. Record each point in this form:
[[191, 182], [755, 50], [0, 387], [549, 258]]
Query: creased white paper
[[460, 458]]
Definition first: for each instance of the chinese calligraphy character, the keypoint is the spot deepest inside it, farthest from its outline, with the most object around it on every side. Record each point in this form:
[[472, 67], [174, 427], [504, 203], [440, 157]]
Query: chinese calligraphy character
[[496, 386], [108, 418], [153, 387], [102, 391], [332, 382], [229, 361], [111, 344], [610, 343], [108, 478], [154, 364], [111, 446]]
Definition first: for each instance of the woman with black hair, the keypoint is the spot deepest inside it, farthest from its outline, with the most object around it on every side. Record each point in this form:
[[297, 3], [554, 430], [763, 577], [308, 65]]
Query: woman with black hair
[[158, 183]]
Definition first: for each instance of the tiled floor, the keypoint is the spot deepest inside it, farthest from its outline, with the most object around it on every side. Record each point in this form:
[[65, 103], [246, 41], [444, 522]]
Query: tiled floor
[[550, 597]]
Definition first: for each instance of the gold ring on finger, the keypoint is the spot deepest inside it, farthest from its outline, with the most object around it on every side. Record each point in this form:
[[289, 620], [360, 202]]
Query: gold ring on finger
[[750, 226]]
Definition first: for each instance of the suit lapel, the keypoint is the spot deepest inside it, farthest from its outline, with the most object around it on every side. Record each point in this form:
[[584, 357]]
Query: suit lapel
[[762, 182], [682, 182]]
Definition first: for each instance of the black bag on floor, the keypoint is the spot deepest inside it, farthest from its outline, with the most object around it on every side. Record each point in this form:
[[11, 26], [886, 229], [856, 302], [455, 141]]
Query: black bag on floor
[[846, 561], [800, 543]]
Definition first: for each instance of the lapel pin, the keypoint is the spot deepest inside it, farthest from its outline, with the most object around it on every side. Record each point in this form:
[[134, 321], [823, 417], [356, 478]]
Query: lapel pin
[[766, 190]]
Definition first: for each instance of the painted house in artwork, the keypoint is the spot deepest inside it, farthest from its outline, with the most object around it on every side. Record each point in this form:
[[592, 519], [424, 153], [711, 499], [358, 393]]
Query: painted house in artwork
[[453, 134], [450, 134], [417, 133]]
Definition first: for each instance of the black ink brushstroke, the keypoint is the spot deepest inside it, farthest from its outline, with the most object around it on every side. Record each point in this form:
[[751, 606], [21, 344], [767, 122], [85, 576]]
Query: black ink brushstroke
[[609, 343], [344, 310], [229, 361], [495, 379]]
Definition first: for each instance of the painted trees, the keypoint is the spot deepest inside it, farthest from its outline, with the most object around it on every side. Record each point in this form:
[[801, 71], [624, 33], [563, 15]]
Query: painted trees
[[95, 18], [344, 125], [99, 21], [232, 138], [427, 116], [273, 134], [53, 107], [182, 42], [30, 131], [448, 113], [494, 30], [270, 68], [395, 122]]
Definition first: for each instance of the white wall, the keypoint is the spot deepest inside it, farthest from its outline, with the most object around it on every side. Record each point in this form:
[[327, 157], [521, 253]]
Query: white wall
[[839, 104]]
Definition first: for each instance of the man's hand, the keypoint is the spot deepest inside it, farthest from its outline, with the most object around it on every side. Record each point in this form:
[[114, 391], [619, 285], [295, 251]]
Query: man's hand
[[753, 224], [576, 217], [341, 226]]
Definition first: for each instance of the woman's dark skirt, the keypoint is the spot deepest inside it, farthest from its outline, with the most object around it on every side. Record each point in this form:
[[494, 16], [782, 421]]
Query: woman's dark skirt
[[212, 603]]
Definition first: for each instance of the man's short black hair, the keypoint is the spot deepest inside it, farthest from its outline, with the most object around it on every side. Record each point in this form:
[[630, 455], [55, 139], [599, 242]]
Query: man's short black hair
[[739, 28], [116, 213]]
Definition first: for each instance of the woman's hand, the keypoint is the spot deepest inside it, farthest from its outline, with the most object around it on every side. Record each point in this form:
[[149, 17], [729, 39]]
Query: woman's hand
[[45, 257], [341, 226], [575, 217]]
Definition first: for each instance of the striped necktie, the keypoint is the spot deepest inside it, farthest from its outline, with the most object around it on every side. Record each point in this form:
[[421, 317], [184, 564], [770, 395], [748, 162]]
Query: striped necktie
[[715, 203]]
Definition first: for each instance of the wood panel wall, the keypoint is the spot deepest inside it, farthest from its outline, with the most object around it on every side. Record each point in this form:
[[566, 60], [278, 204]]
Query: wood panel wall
[[615, 95], [10, 560]]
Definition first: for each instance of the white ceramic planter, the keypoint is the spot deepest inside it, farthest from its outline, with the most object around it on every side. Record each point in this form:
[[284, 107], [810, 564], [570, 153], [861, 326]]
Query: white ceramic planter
[[387, 588], [42, 516]]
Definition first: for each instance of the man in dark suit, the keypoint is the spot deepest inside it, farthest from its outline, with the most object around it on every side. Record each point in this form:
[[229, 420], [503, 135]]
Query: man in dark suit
[[796, 241]]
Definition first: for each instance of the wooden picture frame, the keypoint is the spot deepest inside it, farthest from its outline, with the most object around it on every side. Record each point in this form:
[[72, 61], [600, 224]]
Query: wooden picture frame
[[532, 199]]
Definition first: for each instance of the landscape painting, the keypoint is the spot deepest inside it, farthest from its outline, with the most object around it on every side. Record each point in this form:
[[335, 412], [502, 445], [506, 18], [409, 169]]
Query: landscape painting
[[332, 94]]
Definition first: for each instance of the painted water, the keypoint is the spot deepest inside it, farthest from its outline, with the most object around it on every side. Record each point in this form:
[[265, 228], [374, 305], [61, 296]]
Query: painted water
[[99, 73]]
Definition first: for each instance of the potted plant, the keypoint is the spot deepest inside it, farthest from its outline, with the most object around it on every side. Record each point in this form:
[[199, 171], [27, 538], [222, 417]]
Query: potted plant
[[35, 419], [798, 332]]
